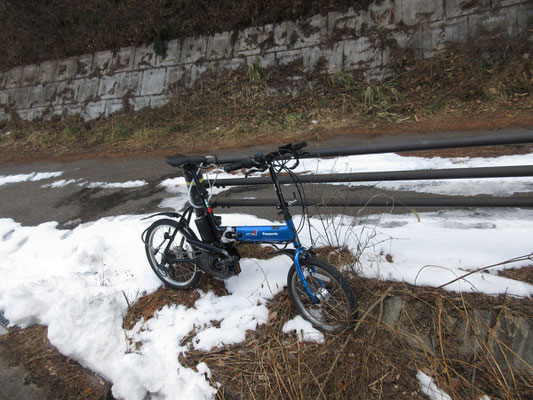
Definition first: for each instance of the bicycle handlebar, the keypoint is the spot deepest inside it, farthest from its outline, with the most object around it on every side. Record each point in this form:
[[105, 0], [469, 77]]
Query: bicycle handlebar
[[259, 160], [246, 163]]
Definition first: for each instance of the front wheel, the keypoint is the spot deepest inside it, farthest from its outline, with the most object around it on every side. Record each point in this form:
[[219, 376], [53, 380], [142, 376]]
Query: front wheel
[[334, 306], [165, 243]]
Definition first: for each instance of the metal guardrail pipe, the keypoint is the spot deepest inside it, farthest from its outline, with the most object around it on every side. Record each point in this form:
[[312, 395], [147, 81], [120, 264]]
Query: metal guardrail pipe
[[434, 144], [452, 173], [381, 201]]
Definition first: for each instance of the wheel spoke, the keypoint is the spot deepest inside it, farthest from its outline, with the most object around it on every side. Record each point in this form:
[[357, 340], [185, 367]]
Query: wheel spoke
[[176, 274], [334, 309]]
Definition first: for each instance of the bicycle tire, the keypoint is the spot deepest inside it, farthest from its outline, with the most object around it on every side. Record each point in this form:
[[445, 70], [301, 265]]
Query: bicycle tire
[[182, 275], [337, 308]]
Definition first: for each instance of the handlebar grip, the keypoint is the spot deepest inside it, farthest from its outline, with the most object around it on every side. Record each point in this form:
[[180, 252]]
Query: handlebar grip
[[246, 163]]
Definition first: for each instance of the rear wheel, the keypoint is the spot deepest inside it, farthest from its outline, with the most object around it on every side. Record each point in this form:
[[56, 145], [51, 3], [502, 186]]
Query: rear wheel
[[335, 305], [162, 257]]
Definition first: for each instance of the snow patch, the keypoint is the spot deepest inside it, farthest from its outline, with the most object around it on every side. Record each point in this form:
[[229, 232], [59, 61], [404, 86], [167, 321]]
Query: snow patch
[[32, 177], [430, 389], [304, 330]]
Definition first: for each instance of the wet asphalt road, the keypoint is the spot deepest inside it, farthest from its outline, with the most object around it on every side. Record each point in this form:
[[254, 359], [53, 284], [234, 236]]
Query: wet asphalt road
[[30, 203]]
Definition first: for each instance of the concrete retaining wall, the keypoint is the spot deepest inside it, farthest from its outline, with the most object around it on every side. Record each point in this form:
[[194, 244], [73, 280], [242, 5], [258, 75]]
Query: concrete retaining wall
[[97, 85]]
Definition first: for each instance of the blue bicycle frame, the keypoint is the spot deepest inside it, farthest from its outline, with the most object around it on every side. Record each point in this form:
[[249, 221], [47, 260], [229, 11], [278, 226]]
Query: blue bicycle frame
[[278, 234]]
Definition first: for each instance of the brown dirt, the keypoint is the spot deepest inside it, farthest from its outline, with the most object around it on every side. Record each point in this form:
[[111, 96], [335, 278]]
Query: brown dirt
[[50, 369]]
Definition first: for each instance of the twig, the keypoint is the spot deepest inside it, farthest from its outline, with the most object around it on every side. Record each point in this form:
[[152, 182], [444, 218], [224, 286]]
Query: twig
[[512, 260]]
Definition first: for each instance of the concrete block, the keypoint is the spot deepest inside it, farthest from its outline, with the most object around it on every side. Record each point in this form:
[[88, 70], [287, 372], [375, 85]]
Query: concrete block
[[494, 23], [24, 114], [29, 75], [265, 60], [508, 3], [84, 66], [310, 32], [4, 116], [47, 72], [345, 28], [429, 40], [333, 19], [94, 110], [288, 57], [144, 57], [334, 58], [175, 76], [459, 8], [523, 17], [16, 97], [88, 89], [219, 46], [514, 332], [49, 92], [13, 77], [134, 86], [382, 8], [282, 35], [392, 310], [231, 65], [112, 106], [160, 101], [123, 60], [66, 93], [382, 13], [193, 49], [456, 30], [205, 70], [414, 12], [402, 38], [102, 62], [37, 113], [118, 85], [173, 54], [140, 102], [312, 55], [357, 52], [4, 99], [47, 114], [153, 81], [59, 111], [35, 97], [250, 41], [66, 69], [73, 109]]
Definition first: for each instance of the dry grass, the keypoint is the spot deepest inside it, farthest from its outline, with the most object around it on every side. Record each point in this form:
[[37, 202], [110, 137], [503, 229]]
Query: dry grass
[[465, 342], [524, 274]]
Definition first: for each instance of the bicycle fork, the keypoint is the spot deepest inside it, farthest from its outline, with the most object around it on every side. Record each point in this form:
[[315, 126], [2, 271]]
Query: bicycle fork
[[322, 293]]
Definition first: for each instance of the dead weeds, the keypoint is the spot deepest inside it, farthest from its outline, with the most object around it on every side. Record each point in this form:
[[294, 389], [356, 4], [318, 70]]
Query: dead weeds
[[463, 341]]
